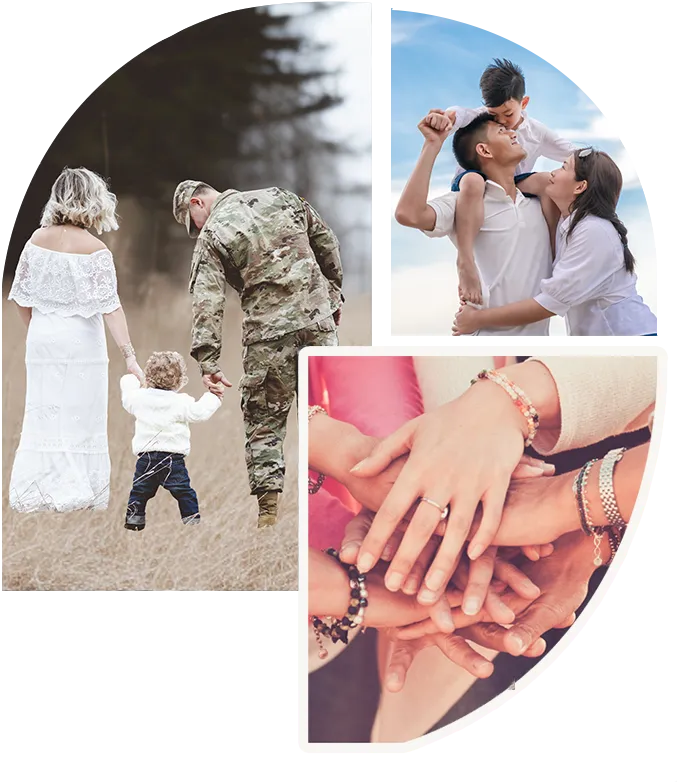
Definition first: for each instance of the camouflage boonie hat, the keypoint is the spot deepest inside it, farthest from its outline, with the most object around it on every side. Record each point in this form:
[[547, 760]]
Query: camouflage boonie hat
[[182, 195]]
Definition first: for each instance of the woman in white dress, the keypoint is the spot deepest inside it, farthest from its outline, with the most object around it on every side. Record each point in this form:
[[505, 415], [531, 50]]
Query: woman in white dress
[[65, 287], [593, 284]]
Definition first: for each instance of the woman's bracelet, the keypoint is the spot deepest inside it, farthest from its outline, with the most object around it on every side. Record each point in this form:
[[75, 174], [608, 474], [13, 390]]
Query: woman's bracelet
[[606, 487], [518, 396], [615, 526], [337, 629], [315, 486], [127, 350]]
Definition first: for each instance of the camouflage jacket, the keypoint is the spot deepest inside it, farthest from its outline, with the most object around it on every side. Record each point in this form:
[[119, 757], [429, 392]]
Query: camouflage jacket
[[280, 256]]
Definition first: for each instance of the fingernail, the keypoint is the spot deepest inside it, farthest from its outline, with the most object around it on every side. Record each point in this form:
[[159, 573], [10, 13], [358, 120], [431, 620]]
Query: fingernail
[[358, 466], [349, 550], [394, 581], [387, 553], [393, 680], [531, 471], [435, 580], [549, 469], [426, 596], [447, 623], [529, 586], [410, 585], [474, 551], [517, 643], [365, 563], [484, 668], [471, 606]]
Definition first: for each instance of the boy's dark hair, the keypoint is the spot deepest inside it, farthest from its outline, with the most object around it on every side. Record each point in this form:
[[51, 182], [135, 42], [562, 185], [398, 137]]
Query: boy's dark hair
[[466, 140], [501, 81]]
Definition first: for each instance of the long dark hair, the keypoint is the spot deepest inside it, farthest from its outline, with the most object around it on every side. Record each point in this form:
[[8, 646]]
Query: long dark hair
[[600, 197]]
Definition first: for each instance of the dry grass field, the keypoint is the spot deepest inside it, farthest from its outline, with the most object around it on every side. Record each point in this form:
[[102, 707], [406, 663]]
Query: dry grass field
[[92, 550]]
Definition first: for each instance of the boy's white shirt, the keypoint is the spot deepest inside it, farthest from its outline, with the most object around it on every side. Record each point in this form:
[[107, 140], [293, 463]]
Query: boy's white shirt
[[535, 138], [163, 417], [512, 251]]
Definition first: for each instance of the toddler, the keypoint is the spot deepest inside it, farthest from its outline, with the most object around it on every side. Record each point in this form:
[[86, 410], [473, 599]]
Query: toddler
[[162, 435], [503, 92]]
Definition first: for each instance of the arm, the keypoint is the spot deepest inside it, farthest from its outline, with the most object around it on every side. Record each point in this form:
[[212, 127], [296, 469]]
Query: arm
[[203, 409], [469, 319], [598, 396], [208, 289], [129, 385], [325, 247], [329, 595], [117, 325], [553, 146], [413, 209], [25, 313], [541, 510]]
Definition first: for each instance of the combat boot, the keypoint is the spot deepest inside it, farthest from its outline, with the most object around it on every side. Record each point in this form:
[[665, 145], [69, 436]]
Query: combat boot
[[267, 509]]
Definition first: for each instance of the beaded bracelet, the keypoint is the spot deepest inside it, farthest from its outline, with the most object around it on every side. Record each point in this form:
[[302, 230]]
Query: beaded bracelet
[[615, 529], [337, 629], [518, 396], [315, 486]]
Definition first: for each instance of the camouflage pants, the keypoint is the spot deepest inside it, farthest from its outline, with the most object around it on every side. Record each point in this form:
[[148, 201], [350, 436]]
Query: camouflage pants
[[267, 389]]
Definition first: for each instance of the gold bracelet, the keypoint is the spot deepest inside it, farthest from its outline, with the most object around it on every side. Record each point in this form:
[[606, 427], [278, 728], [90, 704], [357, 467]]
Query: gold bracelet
[[127, 350]]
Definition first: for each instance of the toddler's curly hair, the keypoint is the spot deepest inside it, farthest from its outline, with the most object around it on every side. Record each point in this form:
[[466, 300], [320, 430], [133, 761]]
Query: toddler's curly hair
[[166, 370]]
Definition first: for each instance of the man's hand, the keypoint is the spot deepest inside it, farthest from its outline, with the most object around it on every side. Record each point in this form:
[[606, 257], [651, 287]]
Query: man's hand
[[466, 320], [435, 127], [215, 383]]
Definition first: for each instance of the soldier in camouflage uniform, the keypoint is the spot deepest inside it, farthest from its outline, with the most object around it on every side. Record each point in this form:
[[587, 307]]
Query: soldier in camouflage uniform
[[276, 251]]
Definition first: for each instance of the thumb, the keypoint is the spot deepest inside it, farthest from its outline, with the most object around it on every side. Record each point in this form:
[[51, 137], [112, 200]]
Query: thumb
[[531, 625], [386, 451]]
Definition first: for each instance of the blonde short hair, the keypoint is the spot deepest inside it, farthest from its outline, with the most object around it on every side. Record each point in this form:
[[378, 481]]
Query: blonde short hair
[[82, 198], [166, 370]]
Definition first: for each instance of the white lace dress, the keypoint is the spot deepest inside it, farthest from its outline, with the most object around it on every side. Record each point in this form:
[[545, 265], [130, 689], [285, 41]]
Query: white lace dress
[[62, 462]]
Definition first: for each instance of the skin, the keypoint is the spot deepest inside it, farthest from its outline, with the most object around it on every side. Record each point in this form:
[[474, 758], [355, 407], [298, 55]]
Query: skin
[[562, 189], [563, 580], [492, 430]]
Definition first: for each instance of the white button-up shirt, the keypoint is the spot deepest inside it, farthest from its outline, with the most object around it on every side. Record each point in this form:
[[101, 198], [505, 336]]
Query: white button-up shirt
[[512, 251], [590, 286], [533, 136]]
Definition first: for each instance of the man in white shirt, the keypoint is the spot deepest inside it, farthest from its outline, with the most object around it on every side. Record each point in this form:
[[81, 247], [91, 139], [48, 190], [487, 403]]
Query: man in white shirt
[[512, 251]]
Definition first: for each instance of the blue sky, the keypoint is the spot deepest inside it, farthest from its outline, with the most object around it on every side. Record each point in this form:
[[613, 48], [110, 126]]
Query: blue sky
[[437, 63]]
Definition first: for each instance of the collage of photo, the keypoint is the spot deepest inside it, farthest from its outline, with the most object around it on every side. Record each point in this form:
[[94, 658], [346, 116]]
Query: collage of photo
[[188, 342]]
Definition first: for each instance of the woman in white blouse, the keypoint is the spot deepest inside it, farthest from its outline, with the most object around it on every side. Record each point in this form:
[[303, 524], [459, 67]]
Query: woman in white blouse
[[65, 287], [593, 283]]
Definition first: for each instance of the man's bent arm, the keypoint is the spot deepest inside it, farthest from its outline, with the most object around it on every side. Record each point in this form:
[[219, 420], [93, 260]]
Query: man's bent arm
[[413, 209], [325, 247], [208, 289]]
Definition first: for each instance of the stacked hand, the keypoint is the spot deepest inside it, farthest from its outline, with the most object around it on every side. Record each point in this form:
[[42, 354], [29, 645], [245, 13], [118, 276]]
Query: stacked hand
[[134, 368]]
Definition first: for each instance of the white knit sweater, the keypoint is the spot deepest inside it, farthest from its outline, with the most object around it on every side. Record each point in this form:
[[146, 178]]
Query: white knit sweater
[[162, 417]]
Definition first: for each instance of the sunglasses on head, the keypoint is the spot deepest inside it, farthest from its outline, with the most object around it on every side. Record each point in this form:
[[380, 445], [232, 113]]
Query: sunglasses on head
[[585, 152]]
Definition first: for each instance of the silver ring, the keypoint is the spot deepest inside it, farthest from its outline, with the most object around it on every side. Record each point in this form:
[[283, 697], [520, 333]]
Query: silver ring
[[444, 512]]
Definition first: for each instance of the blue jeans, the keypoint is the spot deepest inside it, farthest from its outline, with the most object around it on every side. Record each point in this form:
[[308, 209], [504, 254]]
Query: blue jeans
[[155, 469]]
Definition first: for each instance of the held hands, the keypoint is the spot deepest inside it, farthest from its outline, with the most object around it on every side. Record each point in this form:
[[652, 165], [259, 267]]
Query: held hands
[[215, 383], [134, 368], [466, 320]]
